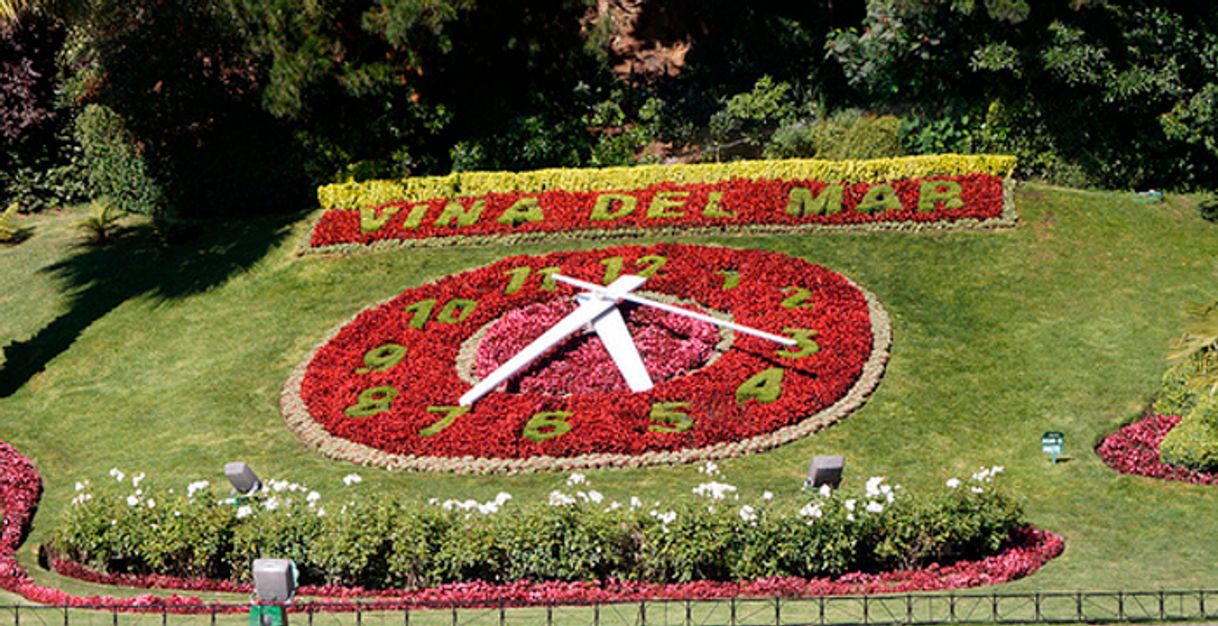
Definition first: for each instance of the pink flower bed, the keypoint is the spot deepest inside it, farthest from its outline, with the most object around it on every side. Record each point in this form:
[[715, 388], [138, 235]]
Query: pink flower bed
[[1134, 449], [670, 346]]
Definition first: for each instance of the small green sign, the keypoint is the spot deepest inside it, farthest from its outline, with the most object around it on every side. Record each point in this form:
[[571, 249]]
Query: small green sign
[[1052, 443]]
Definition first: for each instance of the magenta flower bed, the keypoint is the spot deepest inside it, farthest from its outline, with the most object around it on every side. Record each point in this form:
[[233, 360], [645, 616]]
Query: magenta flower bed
[[1134, 449]]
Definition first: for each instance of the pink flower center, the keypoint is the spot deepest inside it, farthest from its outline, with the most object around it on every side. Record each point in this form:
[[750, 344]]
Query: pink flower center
[[671, 346]]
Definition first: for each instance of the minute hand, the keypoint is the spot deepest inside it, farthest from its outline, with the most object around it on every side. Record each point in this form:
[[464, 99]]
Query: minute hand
[[599, 290]]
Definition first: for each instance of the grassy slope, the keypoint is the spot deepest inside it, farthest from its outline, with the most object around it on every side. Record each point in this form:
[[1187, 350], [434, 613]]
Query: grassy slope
[[175, 360]]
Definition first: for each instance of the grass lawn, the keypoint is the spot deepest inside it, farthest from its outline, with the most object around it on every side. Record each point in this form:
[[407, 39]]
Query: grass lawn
[[170, 361]]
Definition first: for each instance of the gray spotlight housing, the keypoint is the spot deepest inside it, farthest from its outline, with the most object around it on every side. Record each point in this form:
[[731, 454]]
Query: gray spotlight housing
[[243, 479], [825, 470], [274, 580]]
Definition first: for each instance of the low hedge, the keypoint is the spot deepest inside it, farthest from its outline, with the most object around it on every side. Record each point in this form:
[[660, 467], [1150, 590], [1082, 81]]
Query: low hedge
[[359, 194], [392, 542]]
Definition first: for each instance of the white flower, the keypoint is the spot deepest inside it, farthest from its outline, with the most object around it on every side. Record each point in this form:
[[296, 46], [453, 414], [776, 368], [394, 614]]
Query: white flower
[[635, 503], [429, 500], [502, 497], [271, 503], [558, 498], [117, 474], [195, 487], [850, 504], [80, 486], [352, 479], [282, 485], [244, 510], [133, 500], [576, 479], [81, 499], [313, 496], [874, 507], [151, 503], [766, 495], [748, 514], [873, 486], [976, 489], [321, 511], [826, 491], [665, 518], [710, 469], [137, 479], [596, 497], [953, 483], [717, 491], [811, 509]]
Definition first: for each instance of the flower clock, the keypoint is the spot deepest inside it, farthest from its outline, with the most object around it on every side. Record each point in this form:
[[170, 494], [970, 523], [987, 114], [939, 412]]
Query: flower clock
[[404, 384]]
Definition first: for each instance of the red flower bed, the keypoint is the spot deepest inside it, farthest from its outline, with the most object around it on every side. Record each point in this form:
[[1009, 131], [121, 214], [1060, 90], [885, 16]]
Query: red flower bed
[[1027, 551], [1134, 449], [736, 204], [389, 381]]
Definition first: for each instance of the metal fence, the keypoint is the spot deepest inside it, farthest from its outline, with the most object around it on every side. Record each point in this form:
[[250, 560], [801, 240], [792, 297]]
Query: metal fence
[[952, 608]]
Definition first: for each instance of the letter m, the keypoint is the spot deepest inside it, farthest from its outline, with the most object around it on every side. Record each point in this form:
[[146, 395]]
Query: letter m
[[802, 203]]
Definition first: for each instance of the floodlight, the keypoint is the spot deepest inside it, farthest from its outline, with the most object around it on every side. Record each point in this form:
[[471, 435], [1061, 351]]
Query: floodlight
[[274, 580], [243, 479], [825, 470]]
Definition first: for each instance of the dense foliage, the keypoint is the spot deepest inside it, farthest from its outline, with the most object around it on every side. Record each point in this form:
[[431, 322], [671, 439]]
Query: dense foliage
[[578, 534], [239, 104], [1190, 391]]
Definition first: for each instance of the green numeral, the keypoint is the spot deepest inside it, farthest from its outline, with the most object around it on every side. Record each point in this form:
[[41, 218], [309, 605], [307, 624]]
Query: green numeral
[[454, 311], [547, 425], [451, 413], [420, 312], [804, 342], [670, 417], [381, 358], [650, 264], [800, 298], [371, 401], [731, 279], [613, 268], [517, 277], [765, 386]]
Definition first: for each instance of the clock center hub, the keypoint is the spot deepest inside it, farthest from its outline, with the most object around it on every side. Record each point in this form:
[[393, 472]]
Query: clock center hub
[[670, 345]]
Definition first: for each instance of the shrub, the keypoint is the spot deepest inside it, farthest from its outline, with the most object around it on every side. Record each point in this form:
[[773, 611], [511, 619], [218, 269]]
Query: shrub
[[1193, 443], [1178, 393], [1209, 209], [387, 542], [8, 232], [117, 166], [848, 134], [102, 224]]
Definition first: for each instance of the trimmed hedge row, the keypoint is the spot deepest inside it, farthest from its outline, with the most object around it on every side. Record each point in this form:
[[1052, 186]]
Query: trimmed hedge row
[[390, 542], [355, 195]]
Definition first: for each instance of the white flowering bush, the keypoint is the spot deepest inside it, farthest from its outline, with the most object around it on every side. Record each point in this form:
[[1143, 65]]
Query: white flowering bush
[[350, 538]]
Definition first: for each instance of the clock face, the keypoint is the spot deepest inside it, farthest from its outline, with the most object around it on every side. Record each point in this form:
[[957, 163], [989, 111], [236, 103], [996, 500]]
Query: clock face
[[383, 389]]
